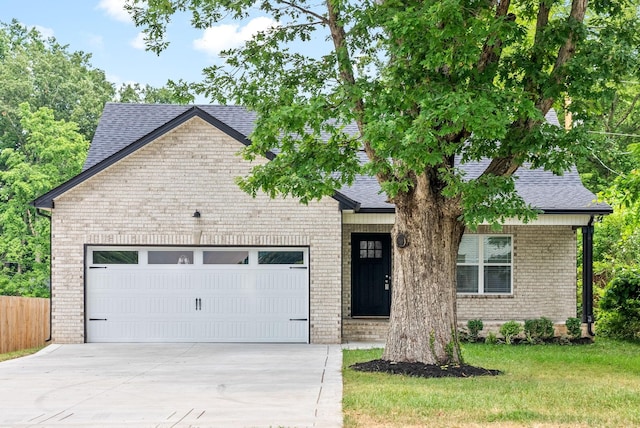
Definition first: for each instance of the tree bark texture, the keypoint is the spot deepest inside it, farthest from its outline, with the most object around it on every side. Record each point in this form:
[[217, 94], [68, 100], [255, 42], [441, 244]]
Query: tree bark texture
[[422, 325]]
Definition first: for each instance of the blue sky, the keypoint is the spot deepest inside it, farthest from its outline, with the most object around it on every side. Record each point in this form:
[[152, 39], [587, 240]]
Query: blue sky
[[102, 28]]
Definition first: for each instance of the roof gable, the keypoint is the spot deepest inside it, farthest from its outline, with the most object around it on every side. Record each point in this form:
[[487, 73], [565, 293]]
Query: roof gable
[[122, 125], [125, 128]]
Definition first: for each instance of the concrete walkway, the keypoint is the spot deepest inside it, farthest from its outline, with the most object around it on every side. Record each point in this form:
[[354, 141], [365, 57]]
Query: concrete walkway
[[174, 385]]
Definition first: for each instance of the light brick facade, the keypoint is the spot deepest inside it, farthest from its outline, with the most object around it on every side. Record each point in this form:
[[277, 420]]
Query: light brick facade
[[148, 198], [544, 282]]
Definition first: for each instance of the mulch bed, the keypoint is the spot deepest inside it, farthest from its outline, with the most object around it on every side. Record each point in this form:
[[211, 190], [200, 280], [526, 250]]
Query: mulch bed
[[423, 370]]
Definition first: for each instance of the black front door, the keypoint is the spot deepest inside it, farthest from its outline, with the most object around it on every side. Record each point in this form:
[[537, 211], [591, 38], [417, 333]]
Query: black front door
[[371, 274]]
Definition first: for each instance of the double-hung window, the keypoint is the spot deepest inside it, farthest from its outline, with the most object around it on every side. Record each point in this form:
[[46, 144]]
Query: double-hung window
[[485, 264]]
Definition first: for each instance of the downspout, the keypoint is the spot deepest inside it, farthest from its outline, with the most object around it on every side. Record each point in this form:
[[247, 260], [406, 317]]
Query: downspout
[[587, 276], [41, 214]]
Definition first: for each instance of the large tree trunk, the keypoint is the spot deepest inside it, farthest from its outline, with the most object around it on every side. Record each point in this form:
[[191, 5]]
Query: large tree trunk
[[422, 325]]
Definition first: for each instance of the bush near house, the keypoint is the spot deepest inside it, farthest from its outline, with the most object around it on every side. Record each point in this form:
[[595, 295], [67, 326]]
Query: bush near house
[[510, 330], [538, 330], [620, 307]]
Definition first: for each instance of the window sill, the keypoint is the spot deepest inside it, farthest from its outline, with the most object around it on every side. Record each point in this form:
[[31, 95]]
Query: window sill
[[485, 296]]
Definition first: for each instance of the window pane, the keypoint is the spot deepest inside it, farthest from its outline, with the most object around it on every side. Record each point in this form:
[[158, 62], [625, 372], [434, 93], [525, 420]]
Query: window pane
[[467, 279], [468, 251], [280, 257], [363, 245], [170, 257], [116, 257], [497, 279], [363, 254], [226, 257], [497, 249]]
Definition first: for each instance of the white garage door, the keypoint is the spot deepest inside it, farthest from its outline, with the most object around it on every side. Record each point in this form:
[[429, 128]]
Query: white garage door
[[197, 294]]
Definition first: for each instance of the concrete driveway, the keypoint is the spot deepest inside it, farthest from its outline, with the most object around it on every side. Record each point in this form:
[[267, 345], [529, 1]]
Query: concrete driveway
[[174, 385]]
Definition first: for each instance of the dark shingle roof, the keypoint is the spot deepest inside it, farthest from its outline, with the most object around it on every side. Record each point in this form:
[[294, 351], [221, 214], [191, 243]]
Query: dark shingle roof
[[123, 128]]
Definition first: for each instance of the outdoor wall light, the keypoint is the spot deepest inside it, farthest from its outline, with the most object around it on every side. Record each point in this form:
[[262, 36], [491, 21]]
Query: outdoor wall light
[[196, 214]]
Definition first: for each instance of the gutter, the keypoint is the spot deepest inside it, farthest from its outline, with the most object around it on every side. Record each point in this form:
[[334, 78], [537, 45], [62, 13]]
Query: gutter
[[587, 276], [41, 214]]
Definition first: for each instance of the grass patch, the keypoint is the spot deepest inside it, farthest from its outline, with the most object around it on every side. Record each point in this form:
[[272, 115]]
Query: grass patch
[[544, 385], [18, 354]]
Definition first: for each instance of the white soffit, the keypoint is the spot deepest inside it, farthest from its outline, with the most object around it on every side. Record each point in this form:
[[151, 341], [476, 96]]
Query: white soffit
[[350, 217]]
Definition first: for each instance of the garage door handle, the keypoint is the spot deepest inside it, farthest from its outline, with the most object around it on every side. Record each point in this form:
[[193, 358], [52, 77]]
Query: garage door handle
[[298, 319], [97, 267], [297, 267], [97, 319]]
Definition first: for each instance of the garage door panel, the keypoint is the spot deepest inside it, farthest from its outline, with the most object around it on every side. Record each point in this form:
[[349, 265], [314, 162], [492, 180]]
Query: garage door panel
[[196, 302]]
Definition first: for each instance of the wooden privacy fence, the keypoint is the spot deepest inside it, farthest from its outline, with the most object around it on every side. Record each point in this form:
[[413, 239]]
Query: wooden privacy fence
[[24, 322]]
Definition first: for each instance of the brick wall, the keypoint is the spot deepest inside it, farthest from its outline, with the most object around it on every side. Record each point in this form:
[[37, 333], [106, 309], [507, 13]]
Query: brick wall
[[149, 197], [544, 281]]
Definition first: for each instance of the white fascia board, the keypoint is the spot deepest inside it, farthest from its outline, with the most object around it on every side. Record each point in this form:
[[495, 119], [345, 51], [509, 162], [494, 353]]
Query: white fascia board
[[351, 217]]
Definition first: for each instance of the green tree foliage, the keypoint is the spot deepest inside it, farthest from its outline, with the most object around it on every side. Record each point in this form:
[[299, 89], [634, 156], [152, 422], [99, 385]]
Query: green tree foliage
[[613, 120], [42, 143], [48, 153], [172, 93], [426, 83], [44, 73], [617, 236], [620, 307]]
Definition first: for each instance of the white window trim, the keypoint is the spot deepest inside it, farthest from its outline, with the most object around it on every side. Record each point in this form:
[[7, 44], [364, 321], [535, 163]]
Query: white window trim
[[481, 264]]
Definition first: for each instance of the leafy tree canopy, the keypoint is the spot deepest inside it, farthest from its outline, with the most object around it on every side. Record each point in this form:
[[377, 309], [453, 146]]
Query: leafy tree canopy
[[44, 73], [172, 93], [49, 152], [424, 80]]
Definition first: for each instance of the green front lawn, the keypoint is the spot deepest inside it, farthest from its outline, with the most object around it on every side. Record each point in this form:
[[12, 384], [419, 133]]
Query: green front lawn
[[594, 385]]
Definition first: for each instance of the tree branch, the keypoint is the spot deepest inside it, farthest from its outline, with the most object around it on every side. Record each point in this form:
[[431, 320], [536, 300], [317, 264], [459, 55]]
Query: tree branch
[[628, 112], [319, 17], [347, 77], [567, 50], [541, 23], [491, 52], [506, 165]]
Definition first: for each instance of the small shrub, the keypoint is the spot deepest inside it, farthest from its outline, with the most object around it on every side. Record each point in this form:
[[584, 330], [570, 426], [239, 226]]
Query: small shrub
[[618, 326], [510, 330], [474, 327], [620, 307], [491, 338], [574, 327], [538, 330]]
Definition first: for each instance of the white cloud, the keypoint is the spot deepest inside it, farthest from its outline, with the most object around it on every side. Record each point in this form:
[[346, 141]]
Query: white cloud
[[45, 31], [115, 9], [138, 42], [227, 36]]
